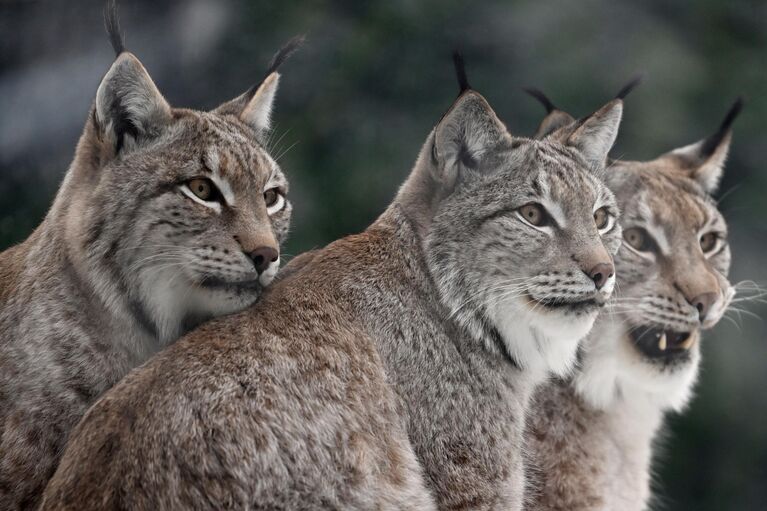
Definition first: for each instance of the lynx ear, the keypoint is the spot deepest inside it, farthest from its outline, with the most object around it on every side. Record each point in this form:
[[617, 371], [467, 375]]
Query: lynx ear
[[465, 133], [704, 161], [127, 100], [595, 135], [258, 111], [254, 107], [555, 118], [128, 103]]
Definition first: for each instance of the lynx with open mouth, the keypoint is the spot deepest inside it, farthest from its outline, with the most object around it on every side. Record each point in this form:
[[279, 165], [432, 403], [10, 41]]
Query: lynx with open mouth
[[655, 342]]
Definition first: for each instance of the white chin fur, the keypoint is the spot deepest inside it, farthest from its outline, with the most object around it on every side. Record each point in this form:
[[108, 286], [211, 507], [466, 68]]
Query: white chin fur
[[612, 368], [541, 342], [607, 289], [267, 277], [169, 297]]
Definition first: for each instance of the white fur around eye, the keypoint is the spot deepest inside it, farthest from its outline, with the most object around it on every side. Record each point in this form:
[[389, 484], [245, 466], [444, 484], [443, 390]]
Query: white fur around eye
[[210, 204], [717, 247], [644, 255], [610, 224], [277, 205], [718, 244], [542, 228]]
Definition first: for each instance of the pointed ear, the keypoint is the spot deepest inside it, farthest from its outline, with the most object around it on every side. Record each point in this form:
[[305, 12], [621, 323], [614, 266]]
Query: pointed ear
[[129, 108], [595, 135], [704, 161], [464, 135], [254, 108], [552, 122], [555, 118]]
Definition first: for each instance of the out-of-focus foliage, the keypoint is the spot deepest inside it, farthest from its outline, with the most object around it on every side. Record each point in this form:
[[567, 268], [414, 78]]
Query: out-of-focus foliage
[[358, 101]]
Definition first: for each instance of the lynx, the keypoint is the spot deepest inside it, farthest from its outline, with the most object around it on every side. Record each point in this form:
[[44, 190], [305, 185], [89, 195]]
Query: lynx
[[166, 217], [590, 436], [390, 369]]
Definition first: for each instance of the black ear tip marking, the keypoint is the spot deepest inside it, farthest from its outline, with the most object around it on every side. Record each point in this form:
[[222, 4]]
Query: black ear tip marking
[[112, 24], [732, 113], [460, 72], [711, 143], [630, 86], [542, 98], [278, 59], [285, 52]]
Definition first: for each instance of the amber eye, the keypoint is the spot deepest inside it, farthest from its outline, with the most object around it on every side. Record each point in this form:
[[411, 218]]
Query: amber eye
[[271, 196], [639, 239], [534, 214], [601, 218], [203, 188], [274, 200], [708, 242]]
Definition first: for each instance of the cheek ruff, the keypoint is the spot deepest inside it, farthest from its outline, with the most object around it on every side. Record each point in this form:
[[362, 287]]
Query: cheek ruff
[[540, 340]]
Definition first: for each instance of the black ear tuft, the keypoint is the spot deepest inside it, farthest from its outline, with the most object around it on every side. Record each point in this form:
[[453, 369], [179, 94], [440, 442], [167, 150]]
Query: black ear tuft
[[284, 53], [277, 60], [460, 72], [112, 24], [630, 86], [712, 142], [542, 98]]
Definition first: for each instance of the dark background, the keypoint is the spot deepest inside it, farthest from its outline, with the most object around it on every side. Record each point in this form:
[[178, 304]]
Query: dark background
[[359, 100]]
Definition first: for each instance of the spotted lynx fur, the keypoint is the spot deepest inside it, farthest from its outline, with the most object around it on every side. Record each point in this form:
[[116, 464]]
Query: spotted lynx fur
[[590, 437], [389, 370], [166, 217]]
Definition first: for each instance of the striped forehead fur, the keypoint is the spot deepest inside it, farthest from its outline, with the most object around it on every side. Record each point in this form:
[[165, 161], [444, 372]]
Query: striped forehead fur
[[661, 186], [142, 250]]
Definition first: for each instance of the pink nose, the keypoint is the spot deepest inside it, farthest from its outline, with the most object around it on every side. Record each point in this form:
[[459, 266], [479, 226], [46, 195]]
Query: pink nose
[[703, 303], [601, 273], [262, 257]]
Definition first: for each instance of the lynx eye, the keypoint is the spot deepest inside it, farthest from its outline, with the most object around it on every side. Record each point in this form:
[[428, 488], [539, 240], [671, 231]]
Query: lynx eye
[[270, 197], [274, 200], [709, 242], [639, 239], [203, 189], [601, 218], [534, 214]]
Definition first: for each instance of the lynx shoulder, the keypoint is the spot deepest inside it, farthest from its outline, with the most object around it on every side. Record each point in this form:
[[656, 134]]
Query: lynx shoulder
[[390, 369], [590, 436], [166, 217]]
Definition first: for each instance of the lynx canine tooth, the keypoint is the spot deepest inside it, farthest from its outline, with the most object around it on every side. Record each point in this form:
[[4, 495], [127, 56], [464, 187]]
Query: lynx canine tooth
[[687, 344], [662, 342]]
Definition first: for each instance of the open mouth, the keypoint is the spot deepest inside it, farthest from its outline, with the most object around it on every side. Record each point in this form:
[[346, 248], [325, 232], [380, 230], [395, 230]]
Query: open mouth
[[655, 342]]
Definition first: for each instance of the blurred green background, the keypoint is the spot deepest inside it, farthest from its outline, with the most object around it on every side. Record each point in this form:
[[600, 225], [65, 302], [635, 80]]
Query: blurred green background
[[358, 101]]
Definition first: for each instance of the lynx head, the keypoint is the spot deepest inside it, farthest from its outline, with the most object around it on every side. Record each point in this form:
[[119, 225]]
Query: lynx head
[[672, 275], [179, 214], [518, 233]]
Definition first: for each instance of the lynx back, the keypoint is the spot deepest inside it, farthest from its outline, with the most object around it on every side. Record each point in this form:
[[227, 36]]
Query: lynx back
[[591, 436], [389, 368], [167, 217]]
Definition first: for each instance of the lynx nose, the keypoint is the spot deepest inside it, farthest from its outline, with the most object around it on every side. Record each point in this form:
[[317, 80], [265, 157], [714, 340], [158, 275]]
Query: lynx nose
[[703, 303], [262, 257], [601, 273]]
